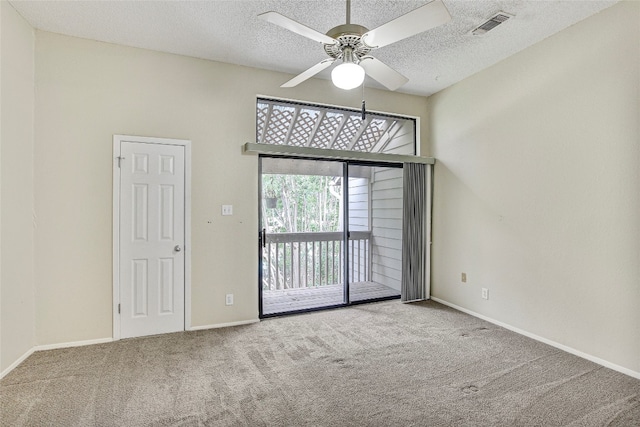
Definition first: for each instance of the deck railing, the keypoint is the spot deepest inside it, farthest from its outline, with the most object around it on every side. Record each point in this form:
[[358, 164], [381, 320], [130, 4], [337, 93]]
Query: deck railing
[[300, 260]]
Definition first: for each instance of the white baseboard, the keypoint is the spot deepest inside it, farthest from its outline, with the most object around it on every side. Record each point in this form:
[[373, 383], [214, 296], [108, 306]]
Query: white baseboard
[[105, 340], [51, 347], [71, 344], [101, 341], [223, 325], [16, 363], [562, 347]]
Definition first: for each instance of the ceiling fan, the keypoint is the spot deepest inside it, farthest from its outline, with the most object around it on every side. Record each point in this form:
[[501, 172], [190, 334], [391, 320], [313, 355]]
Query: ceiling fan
[[352, 43]]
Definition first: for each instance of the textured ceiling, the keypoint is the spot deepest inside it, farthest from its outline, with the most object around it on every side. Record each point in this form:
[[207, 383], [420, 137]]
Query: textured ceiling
[[229, 31]]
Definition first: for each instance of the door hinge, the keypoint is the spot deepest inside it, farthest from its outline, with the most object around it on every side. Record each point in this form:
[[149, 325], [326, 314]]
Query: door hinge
[[120, 159], [118, 308]]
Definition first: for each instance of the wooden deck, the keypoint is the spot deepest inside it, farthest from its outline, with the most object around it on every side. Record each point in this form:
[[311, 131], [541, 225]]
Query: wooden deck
[[282, 301]]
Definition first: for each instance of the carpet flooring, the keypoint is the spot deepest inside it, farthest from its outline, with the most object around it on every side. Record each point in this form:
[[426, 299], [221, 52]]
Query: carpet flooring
[[381, 364]]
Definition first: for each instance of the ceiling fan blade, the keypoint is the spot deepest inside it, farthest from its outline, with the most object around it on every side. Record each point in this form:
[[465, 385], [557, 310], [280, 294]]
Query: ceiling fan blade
[[296, 27], [382, 73], [309, 73], [421, 19]]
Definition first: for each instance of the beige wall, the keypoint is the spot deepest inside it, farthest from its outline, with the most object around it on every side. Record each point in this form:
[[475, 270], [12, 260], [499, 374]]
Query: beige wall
[[87, 91], [16, 187], [537, 191]]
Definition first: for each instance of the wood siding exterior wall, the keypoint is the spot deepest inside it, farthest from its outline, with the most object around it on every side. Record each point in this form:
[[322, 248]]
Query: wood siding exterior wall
[[359, 220], [386, 236]]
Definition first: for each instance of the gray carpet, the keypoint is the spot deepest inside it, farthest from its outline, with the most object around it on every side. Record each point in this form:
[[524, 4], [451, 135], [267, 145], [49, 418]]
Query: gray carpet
[[382, 364]]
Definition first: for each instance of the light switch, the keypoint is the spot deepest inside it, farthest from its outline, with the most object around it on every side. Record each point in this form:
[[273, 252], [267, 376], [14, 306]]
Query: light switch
[[227, 209]]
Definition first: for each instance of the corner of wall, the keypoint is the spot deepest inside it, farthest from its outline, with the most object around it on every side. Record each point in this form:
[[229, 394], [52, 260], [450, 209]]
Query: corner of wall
[[17, 110], [425, 128]]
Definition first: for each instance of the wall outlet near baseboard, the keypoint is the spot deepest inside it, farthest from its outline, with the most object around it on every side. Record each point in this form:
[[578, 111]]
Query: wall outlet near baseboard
[[229, 299], [464, 278], [485, 293]]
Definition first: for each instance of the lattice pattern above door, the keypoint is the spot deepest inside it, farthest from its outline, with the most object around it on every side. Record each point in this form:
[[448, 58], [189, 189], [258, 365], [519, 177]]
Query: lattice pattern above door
[[283, 123]]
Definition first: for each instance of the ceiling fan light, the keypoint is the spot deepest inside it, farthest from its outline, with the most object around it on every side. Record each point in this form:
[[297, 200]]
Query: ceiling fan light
[[347, 75]]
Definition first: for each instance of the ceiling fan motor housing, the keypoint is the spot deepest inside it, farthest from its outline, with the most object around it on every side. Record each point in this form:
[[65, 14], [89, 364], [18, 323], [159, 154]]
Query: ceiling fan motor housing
[[347, 35]]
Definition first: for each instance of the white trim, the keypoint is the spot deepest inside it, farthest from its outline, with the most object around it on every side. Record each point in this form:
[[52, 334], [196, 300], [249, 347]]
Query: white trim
[[325, 153], [417, 138], [562, 347], [17, 362], [187, 236], [72, 344], [117, 140], [223, 325], [116, 239]]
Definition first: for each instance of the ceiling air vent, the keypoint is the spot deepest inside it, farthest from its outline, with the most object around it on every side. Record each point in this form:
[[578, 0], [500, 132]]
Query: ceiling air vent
[[493, 22]]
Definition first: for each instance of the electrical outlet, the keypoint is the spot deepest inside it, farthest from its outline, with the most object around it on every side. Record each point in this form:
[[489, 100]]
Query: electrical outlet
[[464, 277], [227, 210], [485, 293], [229, 299]]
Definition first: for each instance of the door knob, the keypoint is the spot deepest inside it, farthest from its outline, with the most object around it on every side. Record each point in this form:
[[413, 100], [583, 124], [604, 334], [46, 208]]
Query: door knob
[[177, 248]]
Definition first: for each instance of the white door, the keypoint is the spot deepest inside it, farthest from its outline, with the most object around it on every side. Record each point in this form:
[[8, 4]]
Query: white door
[[152, 236]]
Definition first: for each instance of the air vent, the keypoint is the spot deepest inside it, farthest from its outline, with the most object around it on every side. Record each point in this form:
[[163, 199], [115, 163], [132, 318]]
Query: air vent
[[493, 22]]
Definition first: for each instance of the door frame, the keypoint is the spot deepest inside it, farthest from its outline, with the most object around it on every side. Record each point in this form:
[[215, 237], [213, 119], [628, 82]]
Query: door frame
[[117, 140]]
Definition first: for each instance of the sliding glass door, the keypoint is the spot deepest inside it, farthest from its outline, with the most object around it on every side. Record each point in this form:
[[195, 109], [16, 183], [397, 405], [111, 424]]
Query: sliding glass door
[[375, 232], [302, 235], [330, 234]]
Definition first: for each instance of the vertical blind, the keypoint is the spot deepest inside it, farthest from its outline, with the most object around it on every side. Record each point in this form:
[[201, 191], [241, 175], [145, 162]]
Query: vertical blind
[[415, 232]]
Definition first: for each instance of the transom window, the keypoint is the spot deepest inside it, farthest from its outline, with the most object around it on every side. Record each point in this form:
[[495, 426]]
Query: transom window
[[316, 126]]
